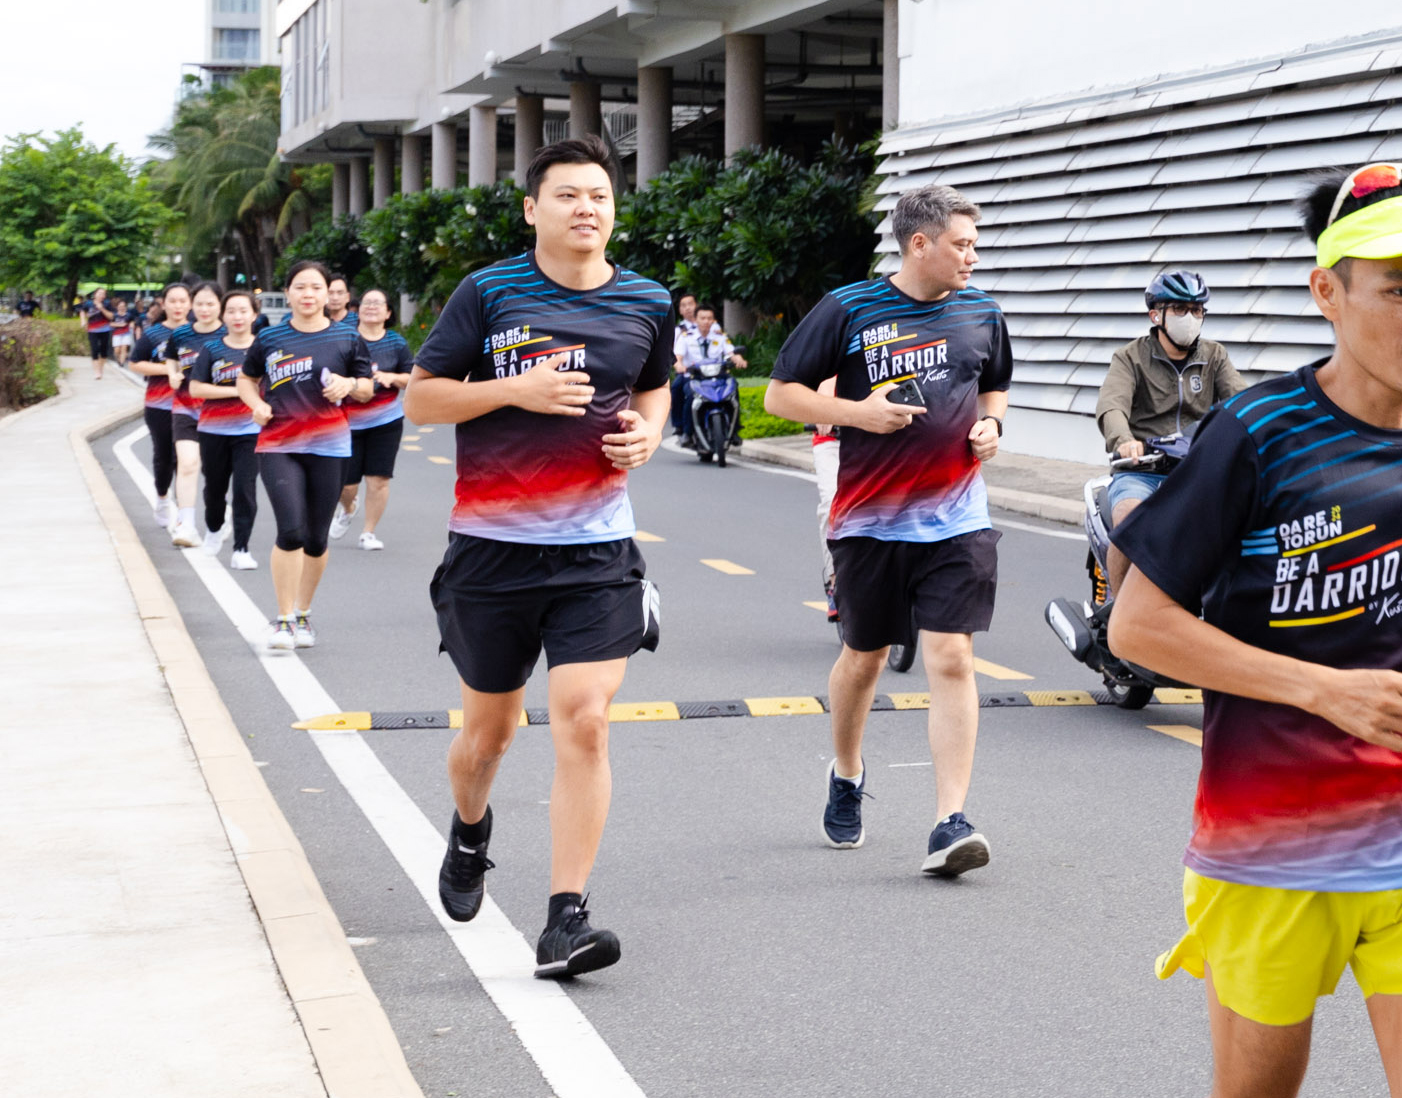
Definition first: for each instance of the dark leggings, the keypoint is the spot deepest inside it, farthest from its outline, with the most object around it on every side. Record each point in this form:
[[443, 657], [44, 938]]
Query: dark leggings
[[225, 458], [304, 490], [162, 448]]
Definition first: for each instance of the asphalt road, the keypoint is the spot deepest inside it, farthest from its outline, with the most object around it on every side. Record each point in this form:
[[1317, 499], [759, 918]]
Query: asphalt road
[[756, 961]]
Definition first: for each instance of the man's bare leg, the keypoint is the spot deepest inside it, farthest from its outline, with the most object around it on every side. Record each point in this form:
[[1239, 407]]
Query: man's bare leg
[[1386, 1014], [580, 695], [953, 722], [851, 688], [1254, 1060], [1115, 561], [489, 723]]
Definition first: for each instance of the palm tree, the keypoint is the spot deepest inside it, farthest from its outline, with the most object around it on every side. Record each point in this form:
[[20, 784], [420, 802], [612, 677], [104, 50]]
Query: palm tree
[[225, 176]]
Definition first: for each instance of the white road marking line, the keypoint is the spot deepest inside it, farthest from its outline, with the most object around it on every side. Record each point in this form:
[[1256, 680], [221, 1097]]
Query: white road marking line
[[569, 1052], [896, 766], [1012, 525]]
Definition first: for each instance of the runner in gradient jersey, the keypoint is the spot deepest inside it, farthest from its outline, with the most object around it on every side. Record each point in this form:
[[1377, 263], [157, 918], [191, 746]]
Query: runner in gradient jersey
[[377, 425], [228, 434], [554, 368], [148, 358], [182, 348], [1283, 529], [296, 378]]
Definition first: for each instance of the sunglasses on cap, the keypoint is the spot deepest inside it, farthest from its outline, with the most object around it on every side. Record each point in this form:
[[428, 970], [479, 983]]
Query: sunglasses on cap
[[1363, 181]]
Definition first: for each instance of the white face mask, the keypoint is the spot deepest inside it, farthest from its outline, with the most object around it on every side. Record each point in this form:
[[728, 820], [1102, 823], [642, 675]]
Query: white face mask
[[1183, 330]]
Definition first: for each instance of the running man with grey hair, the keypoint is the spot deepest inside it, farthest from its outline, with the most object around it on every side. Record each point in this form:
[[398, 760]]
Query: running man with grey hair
[[923, 364]]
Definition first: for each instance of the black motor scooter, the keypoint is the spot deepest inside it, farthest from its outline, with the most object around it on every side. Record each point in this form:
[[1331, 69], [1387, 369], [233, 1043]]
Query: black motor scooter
[[1082, 626]]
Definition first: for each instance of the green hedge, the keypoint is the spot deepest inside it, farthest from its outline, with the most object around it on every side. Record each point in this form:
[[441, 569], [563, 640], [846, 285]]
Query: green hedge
[[755, 422], [28, 362]]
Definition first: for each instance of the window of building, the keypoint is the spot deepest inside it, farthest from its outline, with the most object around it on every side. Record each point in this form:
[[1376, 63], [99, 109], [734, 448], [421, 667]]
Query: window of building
[[235, 44], [236, 7], [306, 66]]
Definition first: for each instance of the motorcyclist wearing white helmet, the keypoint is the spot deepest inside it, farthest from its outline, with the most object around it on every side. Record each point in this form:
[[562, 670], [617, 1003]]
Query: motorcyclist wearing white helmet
[[1159, 384]]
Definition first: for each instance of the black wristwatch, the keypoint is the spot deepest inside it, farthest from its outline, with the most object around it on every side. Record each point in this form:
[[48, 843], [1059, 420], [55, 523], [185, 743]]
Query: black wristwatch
[[996, 420]]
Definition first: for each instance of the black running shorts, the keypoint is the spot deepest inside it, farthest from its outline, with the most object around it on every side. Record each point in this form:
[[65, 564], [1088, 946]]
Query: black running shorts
[[888, 589], [100, 344], [373, 450], [184, 428], [499, 603]]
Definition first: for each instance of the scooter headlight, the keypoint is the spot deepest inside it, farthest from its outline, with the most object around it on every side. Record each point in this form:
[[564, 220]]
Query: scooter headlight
[[711, 369]]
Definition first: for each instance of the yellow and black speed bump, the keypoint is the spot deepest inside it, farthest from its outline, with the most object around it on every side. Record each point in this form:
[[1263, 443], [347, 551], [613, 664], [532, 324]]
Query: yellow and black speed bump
[[624, 712]]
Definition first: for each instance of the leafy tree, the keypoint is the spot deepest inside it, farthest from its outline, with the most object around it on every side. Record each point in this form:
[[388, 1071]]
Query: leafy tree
[[225, 177], [335, 242], [424, 244], [71, 212], [767, 230]]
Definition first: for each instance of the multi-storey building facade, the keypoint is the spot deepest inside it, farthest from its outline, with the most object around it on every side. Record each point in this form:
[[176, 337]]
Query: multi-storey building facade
[[1105, 142]]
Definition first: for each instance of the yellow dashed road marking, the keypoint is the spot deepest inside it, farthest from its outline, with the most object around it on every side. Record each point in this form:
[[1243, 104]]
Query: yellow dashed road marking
[[425, 430], [439, 460], [729, 567], [415, 449], [410, 438], [997, 671], [643, 535], [1185, 732], [780, 707], [818, 606], [1174, 696]]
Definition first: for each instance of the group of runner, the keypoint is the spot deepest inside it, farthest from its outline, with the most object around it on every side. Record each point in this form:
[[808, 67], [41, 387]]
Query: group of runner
[[1280, 530], [312, 405]]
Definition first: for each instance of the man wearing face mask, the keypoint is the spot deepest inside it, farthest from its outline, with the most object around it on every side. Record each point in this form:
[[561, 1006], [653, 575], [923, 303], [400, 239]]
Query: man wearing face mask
[[1159, 384]]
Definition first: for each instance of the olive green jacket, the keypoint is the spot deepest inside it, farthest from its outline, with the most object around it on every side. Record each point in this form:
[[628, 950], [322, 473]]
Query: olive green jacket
[[1146, 395]]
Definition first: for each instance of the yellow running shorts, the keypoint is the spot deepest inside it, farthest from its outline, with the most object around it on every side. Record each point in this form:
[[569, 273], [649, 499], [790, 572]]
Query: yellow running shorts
[[1274, 951]]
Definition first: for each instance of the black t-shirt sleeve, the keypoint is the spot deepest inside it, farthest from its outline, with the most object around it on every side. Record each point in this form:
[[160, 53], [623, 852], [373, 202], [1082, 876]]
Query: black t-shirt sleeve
[[404, 360], [657, 370], [255, 363], [454, 347], [203, 369], [1189, 532], [815, 349], [143, 350], [997, 373], [358, 359]]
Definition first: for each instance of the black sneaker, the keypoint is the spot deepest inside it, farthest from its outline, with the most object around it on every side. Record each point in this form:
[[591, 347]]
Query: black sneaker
[[460, 886], [842, 819], [572, 947], [955, 847]]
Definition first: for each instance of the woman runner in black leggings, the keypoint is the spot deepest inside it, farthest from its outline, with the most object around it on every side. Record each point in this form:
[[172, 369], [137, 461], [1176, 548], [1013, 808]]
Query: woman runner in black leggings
[[148, 358], [294, 380], [227, 432]]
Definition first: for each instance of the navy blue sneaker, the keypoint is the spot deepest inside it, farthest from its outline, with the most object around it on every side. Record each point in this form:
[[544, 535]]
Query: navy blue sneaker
[[842, 819], [955, 847]]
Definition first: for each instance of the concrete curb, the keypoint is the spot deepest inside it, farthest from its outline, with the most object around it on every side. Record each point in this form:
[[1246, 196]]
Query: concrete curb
[[1037, 504], [355, 1048]]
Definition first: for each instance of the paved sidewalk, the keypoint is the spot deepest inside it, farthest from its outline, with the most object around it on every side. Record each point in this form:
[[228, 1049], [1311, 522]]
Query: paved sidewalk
[[1032, 486], [132, 959]]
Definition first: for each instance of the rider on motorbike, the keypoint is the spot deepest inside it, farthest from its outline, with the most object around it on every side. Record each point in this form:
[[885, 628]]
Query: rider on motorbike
[[705, 346], [1159, 384]]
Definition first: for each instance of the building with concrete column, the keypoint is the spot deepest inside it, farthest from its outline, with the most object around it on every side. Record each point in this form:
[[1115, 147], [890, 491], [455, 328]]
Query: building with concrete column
[[1101, 149]]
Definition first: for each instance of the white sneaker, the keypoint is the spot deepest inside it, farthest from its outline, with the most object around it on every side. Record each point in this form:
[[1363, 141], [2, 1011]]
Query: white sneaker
[[163, 512], [283, 638], [242, 561], [341, 520], [213, 542], [305, 635], [370, 541], [184, 536]]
